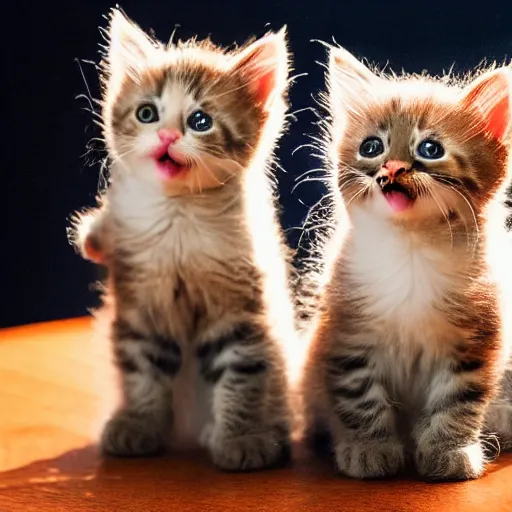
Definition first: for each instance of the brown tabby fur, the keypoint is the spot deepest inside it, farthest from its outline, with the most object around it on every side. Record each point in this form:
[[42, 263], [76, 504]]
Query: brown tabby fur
[[197, 270], [411, 341]]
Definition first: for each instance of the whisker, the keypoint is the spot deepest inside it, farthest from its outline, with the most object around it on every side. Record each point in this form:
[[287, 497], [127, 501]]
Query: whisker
[[318, 169], [299, 111], [446, 183], [356, 195], [208, 170], [303, 146], [429, 190], [308, 179], [310, 214], [122, 155]]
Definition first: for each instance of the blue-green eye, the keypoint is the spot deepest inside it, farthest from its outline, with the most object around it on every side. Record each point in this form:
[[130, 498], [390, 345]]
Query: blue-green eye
[[371, 147], [430, 149], [147, 113], [199, 121]]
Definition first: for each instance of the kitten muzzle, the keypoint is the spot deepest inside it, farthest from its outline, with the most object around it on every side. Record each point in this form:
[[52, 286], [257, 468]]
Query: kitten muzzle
[[398, 197], [168, 166]]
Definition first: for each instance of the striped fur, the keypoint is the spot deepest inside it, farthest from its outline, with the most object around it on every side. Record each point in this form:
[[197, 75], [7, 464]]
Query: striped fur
[[197, 270], [410, 344]]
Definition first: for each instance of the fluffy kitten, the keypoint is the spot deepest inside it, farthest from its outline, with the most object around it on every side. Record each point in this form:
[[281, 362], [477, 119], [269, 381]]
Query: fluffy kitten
[[187, 229], [411, 341]]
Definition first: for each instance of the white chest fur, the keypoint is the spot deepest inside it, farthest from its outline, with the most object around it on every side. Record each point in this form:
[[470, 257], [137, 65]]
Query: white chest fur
[[182, 250], [401, 279], [176, 244], [172, 230]]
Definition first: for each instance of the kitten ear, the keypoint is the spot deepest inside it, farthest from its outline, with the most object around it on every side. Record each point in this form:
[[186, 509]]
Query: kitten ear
[[348, 77], [264, 66], [128, 46], [491, 95]]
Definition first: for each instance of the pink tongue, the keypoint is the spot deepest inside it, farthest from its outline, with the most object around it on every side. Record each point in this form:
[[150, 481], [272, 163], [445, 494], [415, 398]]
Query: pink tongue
[[398, 200]]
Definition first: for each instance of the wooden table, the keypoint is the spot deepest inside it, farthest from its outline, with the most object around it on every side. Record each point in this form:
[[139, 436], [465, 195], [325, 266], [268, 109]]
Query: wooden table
[[56, 388]]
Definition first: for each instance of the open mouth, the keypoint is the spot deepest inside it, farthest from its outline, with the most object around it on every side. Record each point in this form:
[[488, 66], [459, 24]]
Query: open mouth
[[168, 166], [398, 197]]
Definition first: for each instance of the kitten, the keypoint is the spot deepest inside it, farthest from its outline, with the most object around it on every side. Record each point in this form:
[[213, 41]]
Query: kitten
[[187, 230], [411, 340]]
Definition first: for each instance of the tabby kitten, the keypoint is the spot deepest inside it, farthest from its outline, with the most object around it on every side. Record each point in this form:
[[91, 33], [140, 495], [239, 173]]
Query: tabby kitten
[[187, 230], [411, 342]]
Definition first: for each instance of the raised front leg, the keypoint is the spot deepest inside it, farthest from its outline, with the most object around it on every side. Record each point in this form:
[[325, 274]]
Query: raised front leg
[[250, 427], [147, 365], [366, 444], [448, 435], [89, 234]]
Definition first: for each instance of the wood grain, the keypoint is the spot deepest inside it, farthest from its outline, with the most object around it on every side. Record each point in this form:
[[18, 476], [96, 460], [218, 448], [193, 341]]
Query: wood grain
[[57, 386]]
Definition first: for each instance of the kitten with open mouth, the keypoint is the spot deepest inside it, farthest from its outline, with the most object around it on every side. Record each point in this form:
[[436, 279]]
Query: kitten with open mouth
[[412, 337], [169, 164], [198, 278]]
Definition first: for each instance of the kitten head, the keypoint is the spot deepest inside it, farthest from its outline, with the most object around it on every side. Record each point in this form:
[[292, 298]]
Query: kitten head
[[414, 147], [190, 116]]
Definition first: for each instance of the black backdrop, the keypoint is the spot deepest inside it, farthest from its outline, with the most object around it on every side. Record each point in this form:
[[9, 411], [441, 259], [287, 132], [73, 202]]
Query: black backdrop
[[46, 130]]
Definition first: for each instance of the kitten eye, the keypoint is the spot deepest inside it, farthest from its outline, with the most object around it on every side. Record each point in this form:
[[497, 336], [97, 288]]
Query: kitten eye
[[200, 121], [147, 113], [371, 147], [430, 149]]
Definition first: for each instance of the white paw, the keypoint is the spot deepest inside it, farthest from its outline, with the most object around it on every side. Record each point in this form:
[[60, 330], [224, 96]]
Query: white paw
[[447, 463], [371, 459]]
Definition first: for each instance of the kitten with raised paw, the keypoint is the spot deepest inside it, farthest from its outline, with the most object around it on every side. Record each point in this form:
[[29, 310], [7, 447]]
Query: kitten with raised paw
[[197, 266], [410, 344]]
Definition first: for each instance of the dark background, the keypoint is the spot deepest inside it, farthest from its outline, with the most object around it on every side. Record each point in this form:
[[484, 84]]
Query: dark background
[[46, 131]]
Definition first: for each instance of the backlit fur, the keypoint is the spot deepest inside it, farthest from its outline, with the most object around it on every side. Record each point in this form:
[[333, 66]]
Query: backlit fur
[[411, 341], [197, 267]]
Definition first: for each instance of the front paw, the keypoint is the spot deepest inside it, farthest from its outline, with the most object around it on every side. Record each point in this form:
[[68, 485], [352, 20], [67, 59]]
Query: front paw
[[92, 250], [371, 459], [448, 464], [499, 421], [127, 435], [248, 452]]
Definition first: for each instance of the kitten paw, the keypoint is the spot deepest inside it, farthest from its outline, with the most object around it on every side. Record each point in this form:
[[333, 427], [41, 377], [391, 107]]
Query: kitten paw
[[249, 452], [370, 459], [451, 464], [131, 436], [499, 421], [92, 250]]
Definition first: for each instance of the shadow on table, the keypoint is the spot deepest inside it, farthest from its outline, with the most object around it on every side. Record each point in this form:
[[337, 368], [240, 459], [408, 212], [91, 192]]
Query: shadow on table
[[81, 480]]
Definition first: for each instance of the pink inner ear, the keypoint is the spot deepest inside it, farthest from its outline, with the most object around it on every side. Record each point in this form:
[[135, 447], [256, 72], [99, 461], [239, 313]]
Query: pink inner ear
[[265, 84], [492, 98], [260, 66]]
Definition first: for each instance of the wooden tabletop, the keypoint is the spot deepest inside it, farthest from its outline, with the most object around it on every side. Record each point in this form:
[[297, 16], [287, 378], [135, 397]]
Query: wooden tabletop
[[56, 388]]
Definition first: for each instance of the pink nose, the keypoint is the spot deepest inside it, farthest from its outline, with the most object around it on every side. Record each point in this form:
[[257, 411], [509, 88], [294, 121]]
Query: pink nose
[[169, 136], [393, 168], [390, 171]]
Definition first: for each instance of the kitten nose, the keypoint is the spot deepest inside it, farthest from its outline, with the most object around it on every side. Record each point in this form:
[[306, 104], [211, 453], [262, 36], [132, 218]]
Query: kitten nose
[[169, 135], [390, 171]]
